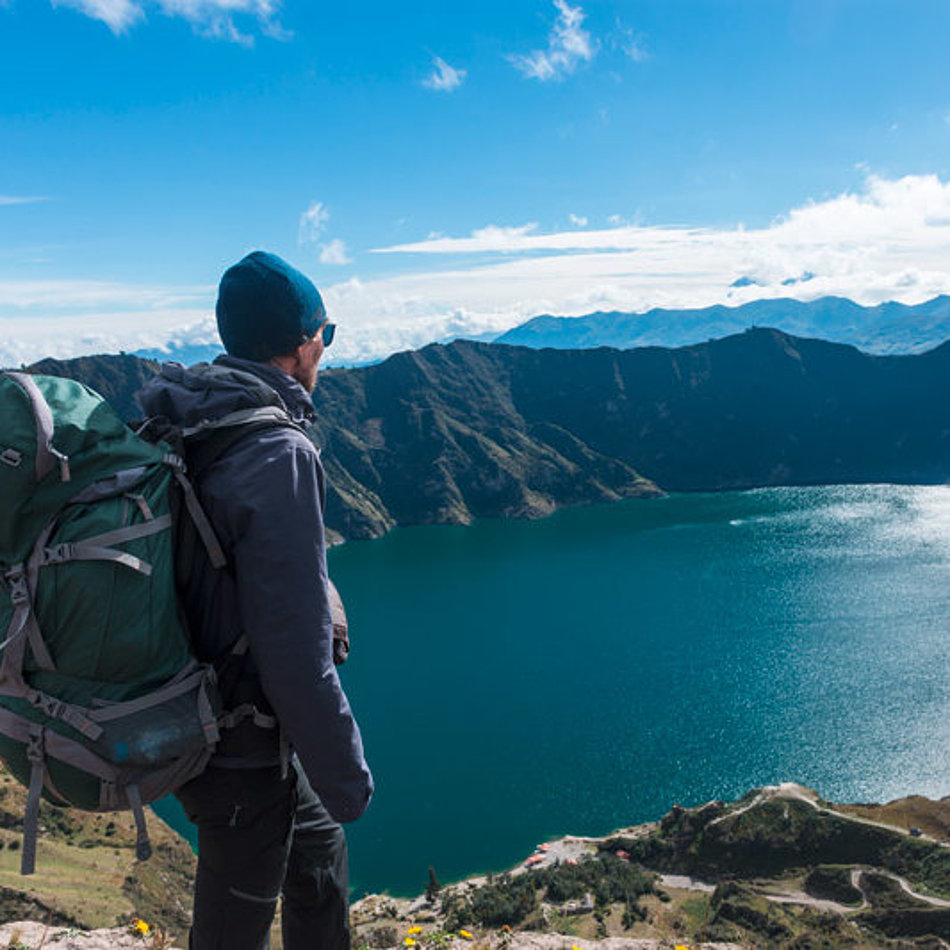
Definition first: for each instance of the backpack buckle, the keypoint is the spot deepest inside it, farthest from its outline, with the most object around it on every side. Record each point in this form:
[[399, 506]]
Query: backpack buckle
[[34, 746], [16, 582], [11, 457], [49, 705], [175, 461], [58, 553]]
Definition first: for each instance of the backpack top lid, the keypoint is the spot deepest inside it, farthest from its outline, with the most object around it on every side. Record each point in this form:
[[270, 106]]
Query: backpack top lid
[[57, 438]]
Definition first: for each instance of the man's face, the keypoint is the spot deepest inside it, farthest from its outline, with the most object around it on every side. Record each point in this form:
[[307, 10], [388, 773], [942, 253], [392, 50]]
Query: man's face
[[308, 359]]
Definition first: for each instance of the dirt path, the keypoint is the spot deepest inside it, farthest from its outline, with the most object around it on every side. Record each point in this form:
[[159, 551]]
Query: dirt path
[[904, 885], [683, 883]]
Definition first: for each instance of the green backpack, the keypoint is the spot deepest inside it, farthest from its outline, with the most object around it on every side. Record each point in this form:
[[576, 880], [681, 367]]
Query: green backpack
[[102, 703]]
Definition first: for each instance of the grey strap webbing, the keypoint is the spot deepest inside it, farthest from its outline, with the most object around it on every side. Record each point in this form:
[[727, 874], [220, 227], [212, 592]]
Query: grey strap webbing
[[141, 504], [59, 747], [37, 644], [208, 538], [176, 687], [284, 753], [47, 457], [209, 722], [97, 548], [239, 418], [130, 533], [116, 484], [21, 582], [143, 847], [55, 708], [19, 591], [90, 552], [247, 711], [31, 816]]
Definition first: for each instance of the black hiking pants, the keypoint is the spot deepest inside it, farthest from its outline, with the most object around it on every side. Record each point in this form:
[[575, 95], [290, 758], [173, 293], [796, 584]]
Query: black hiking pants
[[260, 837]]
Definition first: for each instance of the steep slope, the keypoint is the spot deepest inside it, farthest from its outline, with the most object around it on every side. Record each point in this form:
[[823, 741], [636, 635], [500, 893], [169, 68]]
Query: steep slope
[[87, 875], [473, 430]]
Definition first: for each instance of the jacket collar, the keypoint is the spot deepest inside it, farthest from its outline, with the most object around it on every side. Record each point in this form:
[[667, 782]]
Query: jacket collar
[[294, 397]]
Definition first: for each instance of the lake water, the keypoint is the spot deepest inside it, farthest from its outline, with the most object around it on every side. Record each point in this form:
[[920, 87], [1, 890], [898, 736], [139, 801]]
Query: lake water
[[519, 680]]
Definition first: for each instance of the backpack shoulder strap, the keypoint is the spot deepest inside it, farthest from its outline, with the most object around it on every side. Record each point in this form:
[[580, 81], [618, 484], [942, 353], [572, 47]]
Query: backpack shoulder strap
[[208, 441]]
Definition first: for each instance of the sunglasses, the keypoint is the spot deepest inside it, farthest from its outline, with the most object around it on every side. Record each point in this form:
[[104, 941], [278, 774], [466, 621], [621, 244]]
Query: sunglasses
[[328, 332]]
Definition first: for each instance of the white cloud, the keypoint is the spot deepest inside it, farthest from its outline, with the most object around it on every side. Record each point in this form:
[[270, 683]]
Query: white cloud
[[65, 318], [615, 220], [887, 240], [444, 77], [891, 216], [118, 15], [577, 220], [569, 45], [313, 222], [490, 238], [334, 252], [632, 44], [20, 200], [214, 18]]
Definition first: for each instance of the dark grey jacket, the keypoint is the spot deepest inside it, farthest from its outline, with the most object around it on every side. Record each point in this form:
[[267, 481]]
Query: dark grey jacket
[[265, 498]]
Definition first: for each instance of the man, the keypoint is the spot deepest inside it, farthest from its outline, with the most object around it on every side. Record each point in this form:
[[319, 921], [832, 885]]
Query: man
[[266, 830]]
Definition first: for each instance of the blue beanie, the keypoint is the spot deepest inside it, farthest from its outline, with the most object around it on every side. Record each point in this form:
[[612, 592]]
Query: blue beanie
[[266, 308]]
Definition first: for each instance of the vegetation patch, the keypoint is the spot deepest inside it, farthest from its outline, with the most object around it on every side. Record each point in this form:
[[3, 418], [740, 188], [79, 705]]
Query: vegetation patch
[[514, 900], [832, 883]]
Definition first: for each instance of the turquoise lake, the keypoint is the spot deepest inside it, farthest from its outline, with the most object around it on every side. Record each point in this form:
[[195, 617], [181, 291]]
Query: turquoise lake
[[519, 680]]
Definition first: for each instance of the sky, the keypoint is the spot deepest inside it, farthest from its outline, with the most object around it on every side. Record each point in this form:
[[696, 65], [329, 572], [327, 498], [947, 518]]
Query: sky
[[455, 169]]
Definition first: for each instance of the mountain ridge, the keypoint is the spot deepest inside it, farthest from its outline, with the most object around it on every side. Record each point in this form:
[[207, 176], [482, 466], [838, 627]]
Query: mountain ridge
[[887, 328], [450, 433]]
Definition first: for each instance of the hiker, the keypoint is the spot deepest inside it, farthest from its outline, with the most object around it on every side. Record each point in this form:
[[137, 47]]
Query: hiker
[[268, 823]]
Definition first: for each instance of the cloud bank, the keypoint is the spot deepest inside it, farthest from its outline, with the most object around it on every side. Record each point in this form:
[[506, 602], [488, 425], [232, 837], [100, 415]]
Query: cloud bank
[[887, 240]]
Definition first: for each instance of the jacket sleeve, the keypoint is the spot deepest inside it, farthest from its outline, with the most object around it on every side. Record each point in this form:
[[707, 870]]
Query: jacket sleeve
[[277, 537]]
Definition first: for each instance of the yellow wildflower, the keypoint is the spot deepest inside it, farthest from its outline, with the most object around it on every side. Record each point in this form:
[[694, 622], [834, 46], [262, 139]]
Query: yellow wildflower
[[681, 946], [409, 942], [414, 930], [140, 928], [465, 935]]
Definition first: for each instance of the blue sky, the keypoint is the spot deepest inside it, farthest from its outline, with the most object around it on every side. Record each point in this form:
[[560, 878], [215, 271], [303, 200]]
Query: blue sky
[[457, 168]]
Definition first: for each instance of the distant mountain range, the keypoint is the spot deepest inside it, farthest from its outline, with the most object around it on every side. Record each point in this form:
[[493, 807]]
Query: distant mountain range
[[186, 353], [451, 433], [886, 328]]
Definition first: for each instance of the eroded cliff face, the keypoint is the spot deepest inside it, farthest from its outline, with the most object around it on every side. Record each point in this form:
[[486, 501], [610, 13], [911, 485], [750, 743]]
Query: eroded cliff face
[[452, 433]]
